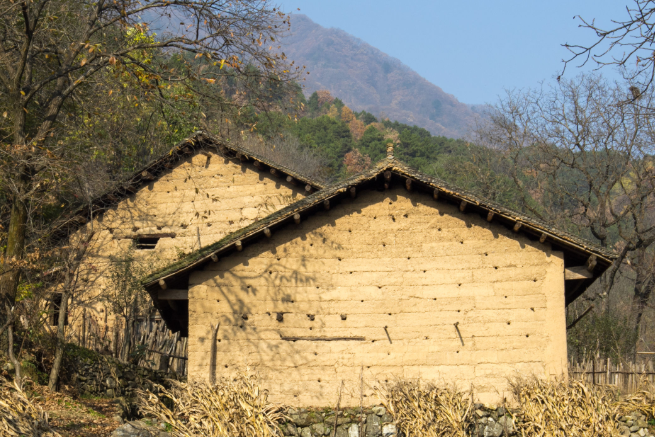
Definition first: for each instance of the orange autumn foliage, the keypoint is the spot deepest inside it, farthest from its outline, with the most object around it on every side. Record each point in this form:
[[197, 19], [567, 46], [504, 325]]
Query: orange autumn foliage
[[355, 162]]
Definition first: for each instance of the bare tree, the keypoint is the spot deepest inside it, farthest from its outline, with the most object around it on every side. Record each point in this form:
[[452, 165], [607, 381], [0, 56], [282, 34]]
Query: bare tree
[[51, 51], [627, 43], [69, 263], [584, 159]]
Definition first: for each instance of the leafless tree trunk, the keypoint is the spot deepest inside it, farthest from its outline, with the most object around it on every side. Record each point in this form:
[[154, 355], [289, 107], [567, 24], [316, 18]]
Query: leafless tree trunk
[[72, 262], [14, 361]]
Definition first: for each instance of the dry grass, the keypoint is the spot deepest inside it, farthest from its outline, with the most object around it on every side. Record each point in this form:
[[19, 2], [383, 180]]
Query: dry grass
[[19, 416], [427, 410], [235, 408], [560, 408]]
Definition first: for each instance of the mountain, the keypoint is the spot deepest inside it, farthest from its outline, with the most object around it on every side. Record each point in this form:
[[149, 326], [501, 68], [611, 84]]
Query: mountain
[[365, 78]]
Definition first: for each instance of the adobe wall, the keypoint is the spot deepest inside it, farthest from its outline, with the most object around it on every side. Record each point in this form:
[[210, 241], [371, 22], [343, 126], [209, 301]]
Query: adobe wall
[[393, 260], [200, 200]]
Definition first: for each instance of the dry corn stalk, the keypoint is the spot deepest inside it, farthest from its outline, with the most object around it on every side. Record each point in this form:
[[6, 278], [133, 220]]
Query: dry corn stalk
[[560, 408], [19, 416], [235, 408], [643, 400], [427, 410]]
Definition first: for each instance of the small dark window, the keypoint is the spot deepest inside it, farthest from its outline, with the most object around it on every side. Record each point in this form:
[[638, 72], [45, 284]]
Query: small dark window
[[146, 243], [55, 304]]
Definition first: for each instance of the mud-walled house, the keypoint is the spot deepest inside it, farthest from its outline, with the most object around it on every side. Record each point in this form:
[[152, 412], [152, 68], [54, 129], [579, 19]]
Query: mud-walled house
[[192, 197], [389, 274]]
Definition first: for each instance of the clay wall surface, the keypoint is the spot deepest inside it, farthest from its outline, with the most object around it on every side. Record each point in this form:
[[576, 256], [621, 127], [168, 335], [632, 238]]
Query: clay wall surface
[[398, 270], [201, 200]]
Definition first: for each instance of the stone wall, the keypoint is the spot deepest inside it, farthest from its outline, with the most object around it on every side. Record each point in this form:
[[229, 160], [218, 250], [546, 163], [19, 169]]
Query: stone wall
[[102, 375], [390, 284], [488, 421]]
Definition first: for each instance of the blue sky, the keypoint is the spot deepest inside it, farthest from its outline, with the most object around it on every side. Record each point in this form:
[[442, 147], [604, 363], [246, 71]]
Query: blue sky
[[472, 49]]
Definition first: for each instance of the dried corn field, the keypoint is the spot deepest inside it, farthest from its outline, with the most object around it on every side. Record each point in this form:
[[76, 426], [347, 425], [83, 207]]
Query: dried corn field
[[537, 407], [19, 416], [228, 408], [428, 410]]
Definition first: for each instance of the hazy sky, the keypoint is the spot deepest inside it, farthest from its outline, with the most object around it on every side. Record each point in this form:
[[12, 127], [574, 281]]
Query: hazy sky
[[472, 49]]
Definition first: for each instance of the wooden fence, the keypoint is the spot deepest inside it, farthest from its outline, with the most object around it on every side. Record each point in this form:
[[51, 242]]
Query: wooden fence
[[150, 343], [626, 376]]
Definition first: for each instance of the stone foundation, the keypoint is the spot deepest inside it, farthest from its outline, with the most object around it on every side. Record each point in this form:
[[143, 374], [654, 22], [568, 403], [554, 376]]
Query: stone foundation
[[378, 422]]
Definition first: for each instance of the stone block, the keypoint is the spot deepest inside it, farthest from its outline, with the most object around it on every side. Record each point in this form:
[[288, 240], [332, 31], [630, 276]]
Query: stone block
[[373, 425], [342, 431], [493, 429], [320, 429], [389, 430]]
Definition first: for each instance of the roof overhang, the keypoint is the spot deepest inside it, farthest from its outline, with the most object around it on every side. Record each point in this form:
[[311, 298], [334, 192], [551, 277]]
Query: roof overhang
[[578, 253]]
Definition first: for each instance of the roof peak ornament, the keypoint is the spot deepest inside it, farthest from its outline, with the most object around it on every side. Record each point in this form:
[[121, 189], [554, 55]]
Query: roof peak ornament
[[390, 150]]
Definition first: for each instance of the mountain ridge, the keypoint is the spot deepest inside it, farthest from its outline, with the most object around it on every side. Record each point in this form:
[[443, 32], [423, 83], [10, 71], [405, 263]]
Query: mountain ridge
[[365, 78]]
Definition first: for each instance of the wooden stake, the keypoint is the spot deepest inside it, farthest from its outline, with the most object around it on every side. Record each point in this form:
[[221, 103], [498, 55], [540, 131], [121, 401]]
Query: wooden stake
[[575, 322], [238, 245], [280, 318], [462, 206], [459, 333], [326, 205], [267, 232], [336, 412], [490, 216], [591, 263], [162, 284], [212, 356], [388, 337], [517, 226], [296, 218]]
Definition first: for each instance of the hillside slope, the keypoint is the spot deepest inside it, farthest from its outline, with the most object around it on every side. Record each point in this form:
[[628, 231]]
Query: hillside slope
[[367, 79]]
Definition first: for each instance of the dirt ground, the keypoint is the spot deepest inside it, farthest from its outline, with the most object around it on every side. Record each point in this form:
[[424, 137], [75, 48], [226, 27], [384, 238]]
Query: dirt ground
[[73, 416]]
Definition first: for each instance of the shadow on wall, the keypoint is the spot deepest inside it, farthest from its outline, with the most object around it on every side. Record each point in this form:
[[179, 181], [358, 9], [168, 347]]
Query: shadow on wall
[[193, 205], [384, 286]]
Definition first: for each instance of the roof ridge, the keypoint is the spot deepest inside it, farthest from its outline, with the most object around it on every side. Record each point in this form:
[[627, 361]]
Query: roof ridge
[[385, 167], [144, 175]]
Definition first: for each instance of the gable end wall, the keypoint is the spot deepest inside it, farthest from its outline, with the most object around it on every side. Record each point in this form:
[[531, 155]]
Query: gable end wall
[[393, 260], [201, 196]]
